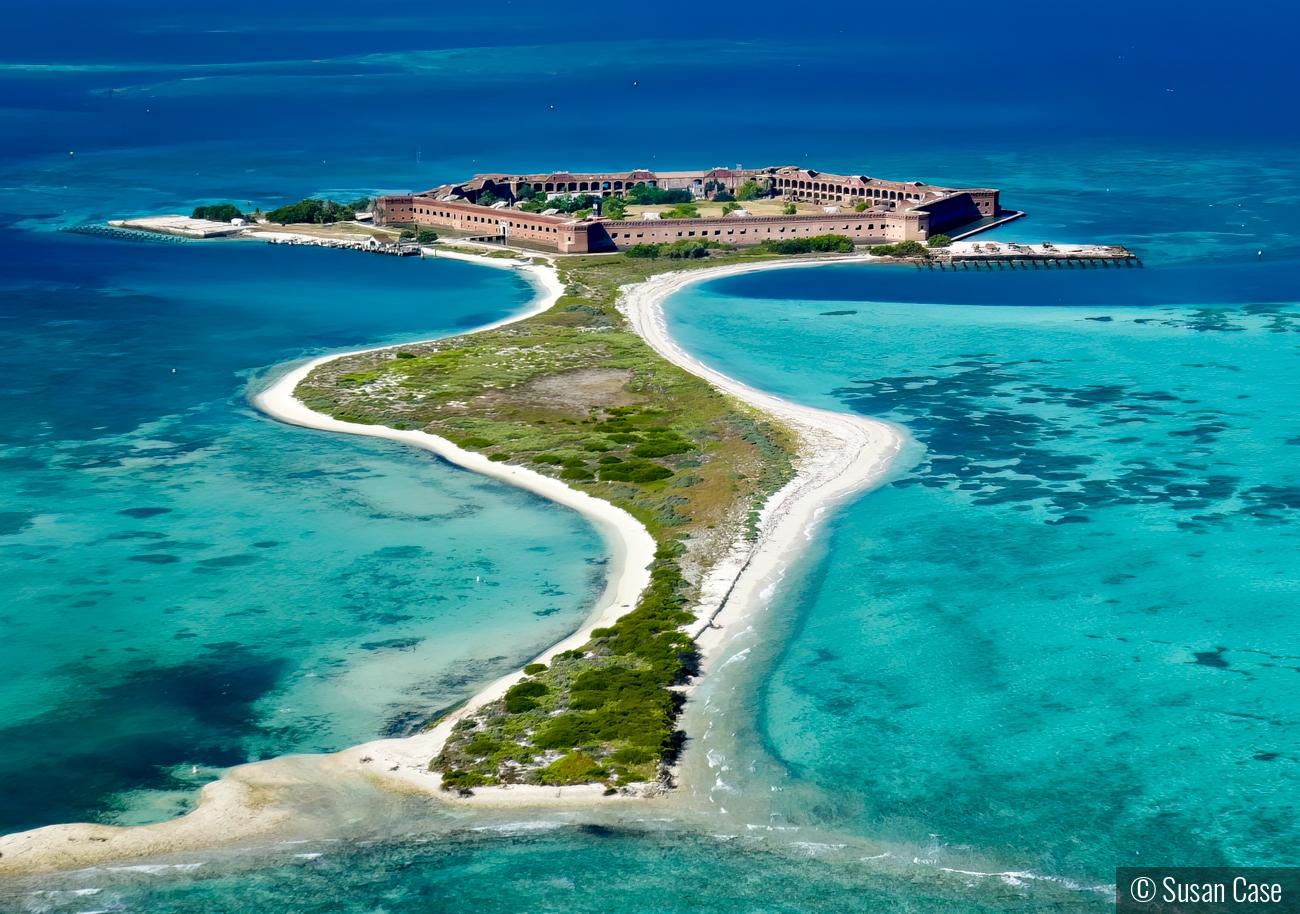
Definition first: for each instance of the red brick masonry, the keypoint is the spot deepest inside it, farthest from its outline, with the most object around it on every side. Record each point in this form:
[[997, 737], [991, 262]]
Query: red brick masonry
[[897, 211]]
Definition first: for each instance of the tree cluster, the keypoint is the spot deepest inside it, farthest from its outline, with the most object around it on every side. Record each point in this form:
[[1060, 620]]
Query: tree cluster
[[901, 249], [217, 212], [315, 210], [677, 250], [818, 244], [644, 195]]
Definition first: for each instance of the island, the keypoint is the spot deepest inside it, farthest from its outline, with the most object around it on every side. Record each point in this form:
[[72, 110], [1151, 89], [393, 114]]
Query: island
[[704, 488]]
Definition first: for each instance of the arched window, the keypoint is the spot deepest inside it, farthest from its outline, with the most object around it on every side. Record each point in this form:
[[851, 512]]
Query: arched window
[[573, 185], [584, 186], [550, 187], [618, 185]]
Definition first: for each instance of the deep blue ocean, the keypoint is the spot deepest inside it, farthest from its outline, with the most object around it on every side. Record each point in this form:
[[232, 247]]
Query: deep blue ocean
[[1061, 638]]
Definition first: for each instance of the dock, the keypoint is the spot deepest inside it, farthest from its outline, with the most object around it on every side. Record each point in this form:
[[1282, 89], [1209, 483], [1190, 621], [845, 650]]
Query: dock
[[1045, 256], [369, 243]]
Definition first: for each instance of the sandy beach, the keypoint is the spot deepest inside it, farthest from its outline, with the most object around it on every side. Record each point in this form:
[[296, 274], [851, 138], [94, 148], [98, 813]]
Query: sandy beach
[[840, 454]]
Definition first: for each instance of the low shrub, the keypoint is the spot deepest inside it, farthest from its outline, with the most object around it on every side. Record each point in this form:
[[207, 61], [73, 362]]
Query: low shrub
[[682, 211], [498, 458], [533, 669], [662, 447], [463, 780], [901, 249], [939, 241], [640, 471], [632, 755], [818, 244], [481, 746], [686, 250], [574, 768], [474, 441], [577, 473], [523, 696]]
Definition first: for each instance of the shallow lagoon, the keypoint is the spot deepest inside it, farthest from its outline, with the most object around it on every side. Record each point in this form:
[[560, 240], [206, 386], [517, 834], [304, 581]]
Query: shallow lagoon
[[190, 585], [1066, 635]]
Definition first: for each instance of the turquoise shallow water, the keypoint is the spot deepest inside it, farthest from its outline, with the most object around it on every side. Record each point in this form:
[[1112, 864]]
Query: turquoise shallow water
[[190, 585], [1066, 636], [983, 707]]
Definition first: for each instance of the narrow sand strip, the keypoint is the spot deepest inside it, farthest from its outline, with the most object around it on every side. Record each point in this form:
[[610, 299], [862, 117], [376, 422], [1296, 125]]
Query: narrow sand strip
[[840, 454]]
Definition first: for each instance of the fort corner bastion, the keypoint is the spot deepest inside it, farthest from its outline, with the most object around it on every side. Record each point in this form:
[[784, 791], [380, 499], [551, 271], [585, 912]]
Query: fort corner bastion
[[867, 210]]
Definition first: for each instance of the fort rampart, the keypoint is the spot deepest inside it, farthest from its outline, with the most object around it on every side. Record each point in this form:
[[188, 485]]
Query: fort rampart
[[891, 211]]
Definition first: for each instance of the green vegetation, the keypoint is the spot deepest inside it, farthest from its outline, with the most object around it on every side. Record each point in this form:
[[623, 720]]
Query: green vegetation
[[565, 203], [818, 244], [643, 195], [789, 209], [750, 190], [677, 250], [575, 394], [730, 208], [901, 249], [860, 206], [426, 236], [317, 211], [613, 207], [724, 196], [487, 198], [682, 211], [218, 212], [939, 241]]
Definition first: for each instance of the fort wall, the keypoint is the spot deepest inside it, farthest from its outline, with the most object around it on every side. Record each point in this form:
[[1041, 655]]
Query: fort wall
[[896, 210]]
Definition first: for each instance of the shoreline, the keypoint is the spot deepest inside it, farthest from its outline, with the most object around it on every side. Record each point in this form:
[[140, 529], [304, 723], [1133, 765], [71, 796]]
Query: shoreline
[[839, 455]]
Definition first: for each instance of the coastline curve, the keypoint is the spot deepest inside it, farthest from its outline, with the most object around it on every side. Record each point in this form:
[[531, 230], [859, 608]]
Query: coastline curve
[[840, 455]]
